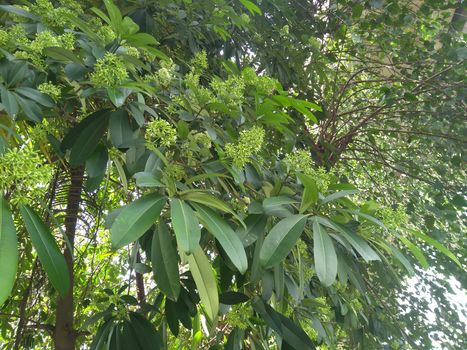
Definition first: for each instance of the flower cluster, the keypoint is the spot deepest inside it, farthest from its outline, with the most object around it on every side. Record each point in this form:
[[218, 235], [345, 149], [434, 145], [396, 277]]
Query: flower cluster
[[55, 16], [24, 175], [130, 51], [50, 89], [229, 92], [4, 37], [159, 132], [264, 85], [199, 63], [249, 144], [164, 75], [105, 33], [393, 218], [300, 161], [33, 49], [109, 71], [197, 142]]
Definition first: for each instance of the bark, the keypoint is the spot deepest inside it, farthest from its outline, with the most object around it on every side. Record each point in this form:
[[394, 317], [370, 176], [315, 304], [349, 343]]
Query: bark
[[65, 335]]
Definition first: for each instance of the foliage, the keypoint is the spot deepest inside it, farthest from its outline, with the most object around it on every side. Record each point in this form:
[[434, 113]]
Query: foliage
[[208, 174]]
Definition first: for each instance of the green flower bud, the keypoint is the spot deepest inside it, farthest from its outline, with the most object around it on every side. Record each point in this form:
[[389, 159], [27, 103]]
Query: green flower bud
[[51, 90], [249, 144], [159, 132], [109, 71], [24, 174]]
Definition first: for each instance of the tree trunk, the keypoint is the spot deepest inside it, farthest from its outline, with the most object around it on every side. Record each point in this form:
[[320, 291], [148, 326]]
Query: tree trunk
[[65, 335]]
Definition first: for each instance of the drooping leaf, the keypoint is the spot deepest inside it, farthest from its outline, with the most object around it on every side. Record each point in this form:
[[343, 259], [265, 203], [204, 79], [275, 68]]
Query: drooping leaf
[[225, 235], [416, 251], [164, 259], [324, 254], [211, 201], [88, 140], [61, 54], [310, 193], [337, 195], [8, 251], [135, 219], [281, 239], [47, 250], [36, 96], [433, 242], [205, 280], [357, 242], [9, 101], [278, 206], [121, 132], [232, 298], [284, 326], [255, 226], [185, 225]]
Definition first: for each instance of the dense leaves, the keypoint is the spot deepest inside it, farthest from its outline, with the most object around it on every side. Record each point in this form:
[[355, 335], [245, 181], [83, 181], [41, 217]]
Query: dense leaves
[[242, 174]]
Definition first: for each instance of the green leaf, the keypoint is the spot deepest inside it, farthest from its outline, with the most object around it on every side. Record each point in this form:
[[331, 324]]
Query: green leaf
[[61, 54], [255, 226], [96, 166], [416, 251], [232, 298], [147, 179], [145, 332], [185, 225], [338, 195], [36, 96], [402, 259], [310, 193], [225, 235], [88, 139], [205, 280], [121, 133], [281, 239], [47, 250], [164, 259], [8, 251], [114, 14], [251, 6], [116, 96], [357, 242], [30, 109], [9, 101], [210, 201], [18, 11], [292, 334], [433, 242], [324, 254], [135, 219], [278, 206]]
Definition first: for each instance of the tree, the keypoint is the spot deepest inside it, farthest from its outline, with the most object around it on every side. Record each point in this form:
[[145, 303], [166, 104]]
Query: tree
[[213, 174]]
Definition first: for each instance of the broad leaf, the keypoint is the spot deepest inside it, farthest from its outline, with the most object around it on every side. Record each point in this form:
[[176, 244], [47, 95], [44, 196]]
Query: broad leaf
[[324, 254], [285, 327], [135, 219], [433, 242], [8, 251], [281, 239], [185, 225], [47, 250], [164, 259], [357, 242], [88, 140], [225, 235], [310, 192], [205, 280]]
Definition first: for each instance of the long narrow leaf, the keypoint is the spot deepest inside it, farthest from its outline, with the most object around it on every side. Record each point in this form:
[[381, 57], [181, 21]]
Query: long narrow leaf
[[47, 250]]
